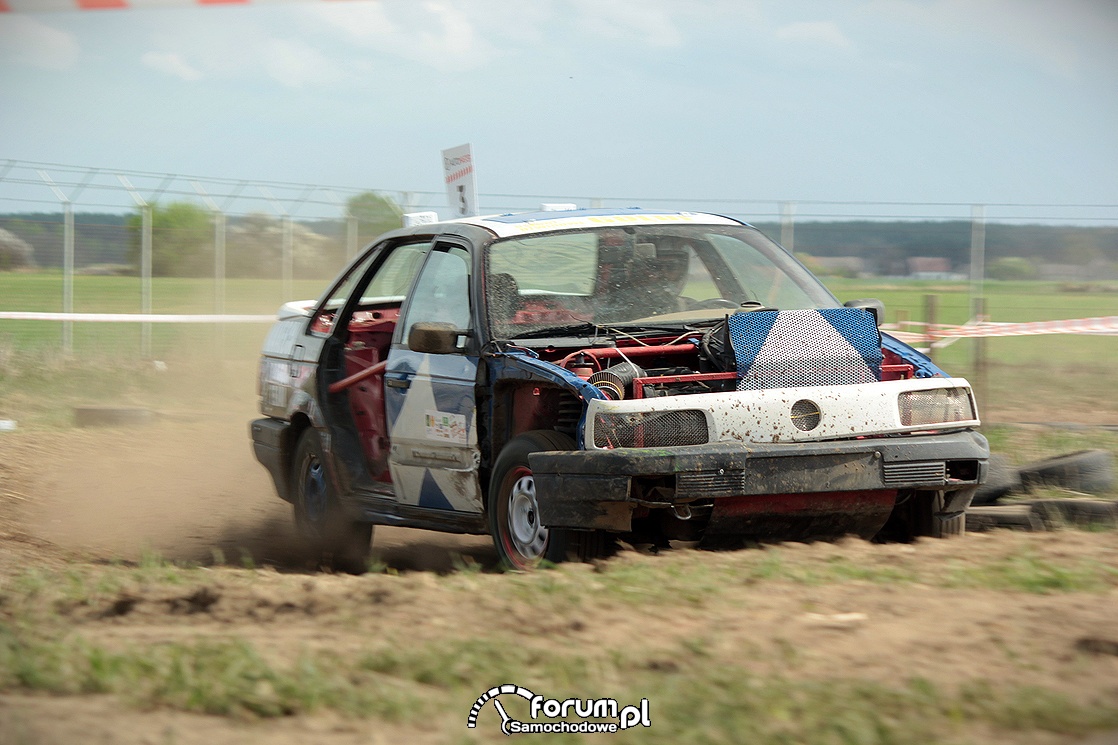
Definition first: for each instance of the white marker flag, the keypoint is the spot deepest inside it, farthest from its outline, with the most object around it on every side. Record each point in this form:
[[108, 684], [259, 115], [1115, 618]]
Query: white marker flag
[[461, 185]]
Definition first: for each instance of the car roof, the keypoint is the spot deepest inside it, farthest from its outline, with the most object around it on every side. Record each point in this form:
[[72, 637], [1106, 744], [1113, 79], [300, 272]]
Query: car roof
[[524, 223]]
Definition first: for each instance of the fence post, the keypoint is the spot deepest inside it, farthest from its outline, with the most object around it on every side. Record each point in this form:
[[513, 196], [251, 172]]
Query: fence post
[[219, 279], [145, 282], [788, 226], [980, 364], [351, 236], [288, 260], [931, 313], [67, 250], [68, 276], [145, 254], [977, 251]]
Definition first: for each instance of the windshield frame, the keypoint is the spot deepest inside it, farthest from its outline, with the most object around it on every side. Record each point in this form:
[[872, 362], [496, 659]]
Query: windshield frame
[[712, 249]]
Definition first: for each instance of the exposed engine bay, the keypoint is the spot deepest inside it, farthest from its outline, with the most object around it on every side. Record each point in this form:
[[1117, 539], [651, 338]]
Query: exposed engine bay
[[702, 360]]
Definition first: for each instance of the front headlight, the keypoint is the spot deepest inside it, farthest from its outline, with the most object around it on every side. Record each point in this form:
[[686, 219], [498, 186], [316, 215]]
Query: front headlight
[[938, 406]]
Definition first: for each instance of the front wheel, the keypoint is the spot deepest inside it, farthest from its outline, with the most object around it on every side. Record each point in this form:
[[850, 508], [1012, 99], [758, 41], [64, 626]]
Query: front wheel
[[334, 538], [521, 540], [920, 514]]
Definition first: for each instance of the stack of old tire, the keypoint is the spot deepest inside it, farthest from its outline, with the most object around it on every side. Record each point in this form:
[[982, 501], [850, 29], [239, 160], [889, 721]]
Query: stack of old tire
[[1004, 500]]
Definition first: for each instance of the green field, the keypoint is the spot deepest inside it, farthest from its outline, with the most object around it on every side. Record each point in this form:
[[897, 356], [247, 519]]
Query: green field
[[1032, 378], [42, 292]]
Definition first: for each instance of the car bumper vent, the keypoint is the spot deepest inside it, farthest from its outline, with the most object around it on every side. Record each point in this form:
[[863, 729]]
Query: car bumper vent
[[915, 473], [710, 484]]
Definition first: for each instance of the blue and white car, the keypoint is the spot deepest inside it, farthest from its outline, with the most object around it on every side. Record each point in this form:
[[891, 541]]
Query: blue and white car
[[560, 380]]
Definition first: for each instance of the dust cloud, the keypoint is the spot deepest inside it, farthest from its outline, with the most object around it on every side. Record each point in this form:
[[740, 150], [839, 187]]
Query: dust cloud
[[186, 487]]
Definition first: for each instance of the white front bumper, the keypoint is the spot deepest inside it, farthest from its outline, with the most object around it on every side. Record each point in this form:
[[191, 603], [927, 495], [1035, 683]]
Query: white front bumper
[[846, 411]]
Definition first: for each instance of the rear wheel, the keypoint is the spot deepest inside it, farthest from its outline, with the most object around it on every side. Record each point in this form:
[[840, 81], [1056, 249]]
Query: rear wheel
[[521, 539], [334, 538]]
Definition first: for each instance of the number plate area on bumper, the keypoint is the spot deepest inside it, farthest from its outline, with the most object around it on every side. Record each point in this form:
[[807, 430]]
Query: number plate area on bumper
[[819, 473]]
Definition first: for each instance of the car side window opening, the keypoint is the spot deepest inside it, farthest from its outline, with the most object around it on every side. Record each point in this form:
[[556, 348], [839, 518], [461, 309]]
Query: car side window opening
[[388, 285], [324, 316], [442, 292], [392, 280]]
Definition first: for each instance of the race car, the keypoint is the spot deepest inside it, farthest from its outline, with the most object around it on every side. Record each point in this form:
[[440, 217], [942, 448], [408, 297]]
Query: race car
[[562, 380]]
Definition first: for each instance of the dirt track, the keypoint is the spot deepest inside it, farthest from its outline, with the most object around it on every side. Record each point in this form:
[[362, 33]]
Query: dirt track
[[188, 489]]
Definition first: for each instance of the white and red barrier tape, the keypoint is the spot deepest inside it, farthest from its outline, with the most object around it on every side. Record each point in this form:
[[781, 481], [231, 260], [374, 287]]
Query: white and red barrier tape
[[1105, 325], [134, 317], [42, 6]]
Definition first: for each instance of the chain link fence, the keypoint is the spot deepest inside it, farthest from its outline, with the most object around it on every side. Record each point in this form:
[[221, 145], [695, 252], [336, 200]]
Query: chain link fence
[[82, 239]]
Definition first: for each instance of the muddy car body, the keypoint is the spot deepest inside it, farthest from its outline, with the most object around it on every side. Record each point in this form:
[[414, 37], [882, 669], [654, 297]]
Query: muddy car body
[[559, 379]]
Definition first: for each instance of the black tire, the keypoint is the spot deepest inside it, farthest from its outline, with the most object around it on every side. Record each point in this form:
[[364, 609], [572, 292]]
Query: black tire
[[521, 541], [1002, 478], [333, 537], [920, 515], [1075, 512], [1009, 516], [1089, 471]]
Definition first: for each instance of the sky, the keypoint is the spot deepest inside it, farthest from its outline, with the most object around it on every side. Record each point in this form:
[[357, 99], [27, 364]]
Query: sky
[[950, 102]]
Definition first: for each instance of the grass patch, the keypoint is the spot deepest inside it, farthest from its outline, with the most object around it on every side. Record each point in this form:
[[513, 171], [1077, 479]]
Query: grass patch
[[696, 579], [824, 571], [1023, 444], [1027, 572], [690, 699], [729, 707], [227, 678]]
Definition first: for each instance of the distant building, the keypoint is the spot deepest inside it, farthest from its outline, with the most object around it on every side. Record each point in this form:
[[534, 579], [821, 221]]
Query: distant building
[[928, 265], [846, 266], [931, 267]]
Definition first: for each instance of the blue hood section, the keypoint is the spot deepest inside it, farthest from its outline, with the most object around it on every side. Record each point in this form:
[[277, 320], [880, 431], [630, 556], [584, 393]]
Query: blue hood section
[[523, 366], [925, 368]]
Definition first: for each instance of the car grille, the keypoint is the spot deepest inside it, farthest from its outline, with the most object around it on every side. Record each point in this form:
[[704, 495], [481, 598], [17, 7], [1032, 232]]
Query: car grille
[[648, 429], [906, 473]]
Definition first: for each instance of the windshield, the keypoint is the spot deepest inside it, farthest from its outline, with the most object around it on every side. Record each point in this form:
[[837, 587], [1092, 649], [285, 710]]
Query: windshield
[[656, 276]]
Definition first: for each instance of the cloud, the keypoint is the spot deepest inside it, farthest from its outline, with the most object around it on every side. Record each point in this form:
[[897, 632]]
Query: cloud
[[295, 64], [819, 34], [27, 41], [633, 19], [438, 34], [1064, 39], [202, 49], [171, 63]]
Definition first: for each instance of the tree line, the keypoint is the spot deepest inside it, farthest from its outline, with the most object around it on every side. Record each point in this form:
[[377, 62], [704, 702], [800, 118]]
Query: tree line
[[183, 241], [1014, 251]]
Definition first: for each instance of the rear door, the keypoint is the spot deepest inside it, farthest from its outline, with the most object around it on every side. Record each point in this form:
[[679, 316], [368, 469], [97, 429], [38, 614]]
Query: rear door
[[430, 398]]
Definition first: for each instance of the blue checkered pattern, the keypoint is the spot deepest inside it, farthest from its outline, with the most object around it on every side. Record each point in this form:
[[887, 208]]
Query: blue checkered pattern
[[796, 348]]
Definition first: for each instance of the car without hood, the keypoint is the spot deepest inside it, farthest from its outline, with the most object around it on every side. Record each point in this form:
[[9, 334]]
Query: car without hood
[[560, 380]]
